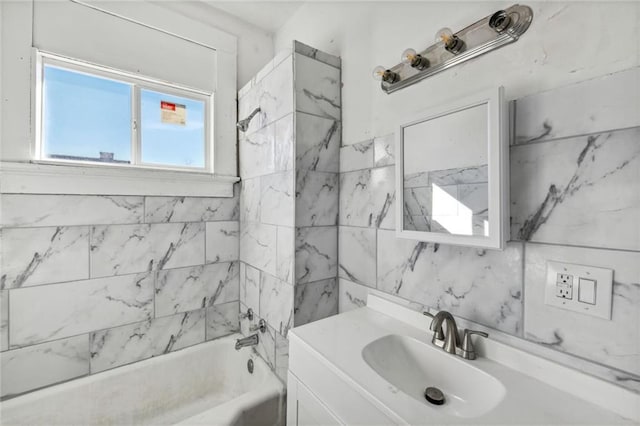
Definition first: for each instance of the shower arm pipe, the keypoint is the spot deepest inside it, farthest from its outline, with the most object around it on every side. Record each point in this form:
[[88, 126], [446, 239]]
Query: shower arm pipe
[[250, 117]]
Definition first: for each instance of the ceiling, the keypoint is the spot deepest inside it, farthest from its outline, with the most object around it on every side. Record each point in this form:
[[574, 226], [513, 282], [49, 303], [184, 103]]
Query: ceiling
[[267, 15]]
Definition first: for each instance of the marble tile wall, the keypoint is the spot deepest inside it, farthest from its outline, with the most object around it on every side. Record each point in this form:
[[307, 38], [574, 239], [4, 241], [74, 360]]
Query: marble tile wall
[[289, 165], [267, 204], [90, 283], [575, 197], [317, 158]]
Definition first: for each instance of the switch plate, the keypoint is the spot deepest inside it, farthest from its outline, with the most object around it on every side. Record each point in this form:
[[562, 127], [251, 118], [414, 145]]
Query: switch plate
[[587, 291], [563, 289]]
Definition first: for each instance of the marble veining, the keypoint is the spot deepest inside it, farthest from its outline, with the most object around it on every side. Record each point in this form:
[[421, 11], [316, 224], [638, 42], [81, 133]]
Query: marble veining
[[257, 152], [357, 156], [28, 210], [384, 150], [556, 203], [135, 342], [283, 150], [222, 241], [351, 296], [45, 364], [490, 293], [316, 253], [276, 303], [317, 88], [257, 242], [122, 249], [357, 248], [276, 199], [574, 182], [33, 256], [55, 311], [580, 334], [316, 198], [274, 96], [190, 209], [250, 287], [250, 200], [367, 198], [285, 241], [282, 357], [591, 106], [467, 198], [222, 320], [316, 54], [315, 301], [317, 143], [191, 288]]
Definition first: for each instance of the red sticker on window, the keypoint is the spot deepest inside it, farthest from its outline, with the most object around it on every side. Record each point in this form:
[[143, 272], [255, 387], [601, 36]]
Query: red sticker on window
[[167, 105]]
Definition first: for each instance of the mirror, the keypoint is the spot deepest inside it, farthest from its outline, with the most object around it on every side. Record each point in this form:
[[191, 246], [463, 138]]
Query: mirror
[[452, 174]]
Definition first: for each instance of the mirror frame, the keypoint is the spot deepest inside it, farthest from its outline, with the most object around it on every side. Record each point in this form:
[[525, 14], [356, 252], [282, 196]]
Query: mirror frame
[[498, 169]]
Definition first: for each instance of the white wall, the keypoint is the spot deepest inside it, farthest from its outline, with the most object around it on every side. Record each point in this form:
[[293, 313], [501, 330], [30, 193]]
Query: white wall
[[566, 42], [255, 46]]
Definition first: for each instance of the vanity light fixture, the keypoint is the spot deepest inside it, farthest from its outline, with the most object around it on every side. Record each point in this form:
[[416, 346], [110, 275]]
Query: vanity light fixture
[[489, 33], [380, 73], [417, 61]]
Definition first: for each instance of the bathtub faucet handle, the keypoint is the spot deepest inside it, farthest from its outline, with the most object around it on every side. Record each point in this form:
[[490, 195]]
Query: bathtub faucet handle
[[248, 315], [262, 326]]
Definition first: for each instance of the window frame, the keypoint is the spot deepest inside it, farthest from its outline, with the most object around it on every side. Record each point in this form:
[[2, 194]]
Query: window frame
[[137, 83]]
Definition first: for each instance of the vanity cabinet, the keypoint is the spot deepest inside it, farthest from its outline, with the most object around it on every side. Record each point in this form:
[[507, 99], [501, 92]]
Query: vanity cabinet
[[319, 394], [305, 409]]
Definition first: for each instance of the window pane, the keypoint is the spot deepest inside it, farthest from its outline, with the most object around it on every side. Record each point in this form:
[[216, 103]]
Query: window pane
[[85, 117], [172, 130]]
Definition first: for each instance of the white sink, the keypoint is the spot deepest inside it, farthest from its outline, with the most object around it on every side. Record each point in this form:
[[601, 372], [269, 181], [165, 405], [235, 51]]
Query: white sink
[[411, 366]]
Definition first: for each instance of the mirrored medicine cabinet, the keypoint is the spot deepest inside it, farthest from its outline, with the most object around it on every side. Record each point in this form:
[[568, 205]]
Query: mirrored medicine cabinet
[[452, 173]]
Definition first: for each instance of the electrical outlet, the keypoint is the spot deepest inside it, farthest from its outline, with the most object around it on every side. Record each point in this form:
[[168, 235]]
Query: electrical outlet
[[564, 291], [564, 286], [593, 288], [565, 279]]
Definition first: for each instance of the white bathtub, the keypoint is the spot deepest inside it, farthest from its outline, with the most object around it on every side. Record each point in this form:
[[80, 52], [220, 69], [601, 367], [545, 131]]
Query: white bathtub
[[207, 384]]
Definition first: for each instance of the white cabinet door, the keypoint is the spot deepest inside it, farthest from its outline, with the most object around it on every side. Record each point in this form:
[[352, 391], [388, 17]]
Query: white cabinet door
[[305, 409]]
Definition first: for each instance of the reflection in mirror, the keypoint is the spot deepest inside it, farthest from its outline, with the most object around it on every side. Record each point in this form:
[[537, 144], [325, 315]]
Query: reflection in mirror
[[445, 173]]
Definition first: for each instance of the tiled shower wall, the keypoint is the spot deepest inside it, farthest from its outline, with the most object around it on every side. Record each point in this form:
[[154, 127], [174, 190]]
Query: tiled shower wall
[[289, 162], [575, 197], [94, 282]]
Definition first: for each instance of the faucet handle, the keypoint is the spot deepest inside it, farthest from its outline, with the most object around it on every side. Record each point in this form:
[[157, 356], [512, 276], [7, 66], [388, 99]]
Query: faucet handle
[[439, 334], [262, 326], [468, 351], [248, 315]]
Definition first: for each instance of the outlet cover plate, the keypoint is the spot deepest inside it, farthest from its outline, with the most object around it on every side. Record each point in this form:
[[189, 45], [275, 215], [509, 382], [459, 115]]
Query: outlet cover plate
[[604, 288]]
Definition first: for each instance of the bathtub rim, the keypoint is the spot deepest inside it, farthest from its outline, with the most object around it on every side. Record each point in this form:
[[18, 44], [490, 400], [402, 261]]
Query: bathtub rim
[[16, 400]]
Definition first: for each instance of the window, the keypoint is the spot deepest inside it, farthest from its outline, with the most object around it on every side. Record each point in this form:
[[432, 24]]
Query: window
[[91, 114]]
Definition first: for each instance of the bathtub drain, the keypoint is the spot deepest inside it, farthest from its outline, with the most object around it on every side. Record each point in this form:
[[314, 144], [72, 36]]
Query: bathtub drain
[[250, 366]]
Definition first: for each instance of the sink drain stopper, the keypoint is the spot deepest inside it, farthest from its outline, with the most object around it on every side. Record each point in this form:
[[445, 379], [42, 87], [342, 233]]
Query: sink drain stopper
[[434, 395]]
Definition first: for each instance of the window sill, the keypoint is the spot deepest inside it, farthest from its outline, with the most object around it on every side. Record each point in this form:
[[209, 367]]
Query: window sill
[[40, 178]]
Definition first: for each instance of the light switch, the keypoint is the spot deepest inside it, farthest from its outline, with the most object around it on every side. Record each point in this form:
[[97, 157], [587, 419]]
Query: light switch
[[587, 291]]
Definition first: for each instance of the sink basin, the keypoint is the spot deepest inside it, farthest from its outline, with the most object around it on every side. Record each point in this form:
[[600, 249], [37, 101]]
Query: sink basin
[[410, 366]]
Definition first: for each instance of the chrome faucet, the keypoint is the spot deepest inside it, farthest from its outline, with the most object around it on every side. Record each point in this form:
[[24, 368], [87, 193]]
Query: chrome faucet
[[451, 337], [247, 341]]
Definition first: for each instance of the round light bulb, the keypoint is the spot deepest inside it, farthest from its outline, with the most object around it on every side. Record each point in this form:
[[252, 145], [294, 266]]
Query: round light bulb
[[408, 56], [378, 72], [445, 35]]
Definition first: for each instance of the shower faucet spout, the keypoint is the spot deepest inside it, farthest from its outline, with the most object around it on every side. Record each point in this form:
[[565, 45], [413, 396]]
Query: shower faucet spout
[[243, 125], [247, 341]]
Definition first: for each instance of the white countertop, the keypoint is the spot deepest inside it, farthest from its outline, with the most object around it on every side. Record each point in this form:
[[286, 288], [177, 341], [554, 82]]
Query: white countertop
[[340, 340]]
